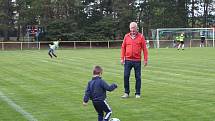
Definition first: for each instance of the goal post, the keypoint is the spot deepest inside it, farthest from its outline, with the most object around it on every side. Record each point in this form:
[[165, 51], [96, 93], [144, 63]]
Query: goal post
[[162, 35]]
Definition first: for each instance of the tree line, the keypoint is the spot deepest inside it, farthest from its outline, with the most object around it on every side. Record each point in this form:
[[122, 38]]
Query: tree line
[[100, 19]]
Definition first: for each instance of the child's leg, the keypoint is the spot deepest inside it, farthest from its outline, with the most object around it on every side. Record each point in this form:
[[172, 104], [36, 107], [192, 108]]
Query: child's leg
[[50, 53], [99, 109], [182, 45], [108, 111], [54, 54], [179, 46]]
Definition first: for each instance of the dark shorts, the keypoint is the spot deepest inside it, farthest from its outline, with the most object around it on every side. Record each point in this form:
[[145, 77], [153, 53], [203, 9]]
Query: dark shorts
[[51, 50], [202, 39], [182, 42]]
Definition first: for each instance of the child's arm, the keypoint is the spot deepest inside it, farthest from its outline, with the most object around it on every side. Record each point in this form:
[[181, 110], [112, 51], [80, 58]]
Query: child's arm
[[107, 87], [87, 95]]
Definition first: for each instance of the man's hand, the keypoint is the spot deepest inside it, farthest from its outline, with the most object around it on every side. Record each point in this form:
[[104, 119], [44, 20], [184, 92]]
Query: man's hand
[[122, 62], [145, 63], [85, 104]]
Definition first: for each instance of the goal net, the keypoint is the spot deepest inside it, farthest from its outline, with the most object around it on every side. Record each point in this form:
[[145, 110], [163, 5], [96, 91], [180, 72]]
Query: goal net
[[166, 37]]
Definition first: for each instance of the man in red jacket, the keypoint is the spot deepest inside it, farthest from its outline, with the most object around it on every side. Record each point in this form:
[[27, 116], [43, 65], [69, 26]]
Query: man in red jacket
[[133, 44]]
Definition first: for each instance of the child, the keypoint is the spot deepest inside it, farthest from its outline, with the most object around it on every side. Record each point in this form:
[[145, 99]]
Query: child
[[96, 91], [52, 48]]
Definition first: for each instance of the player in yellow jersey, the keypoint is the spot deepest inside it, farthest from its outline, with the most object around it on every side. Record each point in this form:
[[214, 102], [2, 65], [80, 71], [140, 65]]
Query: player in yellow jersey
[[181, 40]]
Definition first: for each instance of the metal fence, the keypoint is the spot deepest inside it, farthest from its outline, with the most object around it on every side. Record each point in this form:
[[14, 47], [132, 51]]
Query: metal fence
[[63, 44], [97, 44]]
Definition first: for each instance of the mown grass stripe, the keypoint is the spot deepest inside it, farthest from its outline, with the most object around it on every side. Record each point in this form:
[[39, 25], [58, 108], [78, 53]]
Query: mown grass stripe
[[16, 107], [175, 86]]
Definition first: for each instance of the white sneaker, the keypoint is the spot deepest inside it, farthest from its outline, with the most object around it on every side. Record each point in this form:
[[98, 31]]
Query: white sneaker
[[137, 96], [125, 95]]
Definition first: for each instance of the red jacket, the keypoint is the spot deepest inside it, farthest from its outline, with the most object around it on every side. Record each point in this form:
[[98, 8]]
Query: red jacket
[[131, 48]]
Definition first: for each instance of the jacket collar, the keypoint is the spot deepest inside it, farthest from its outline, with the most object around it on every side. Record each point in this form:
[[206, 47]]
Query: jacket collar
[[96, 77]]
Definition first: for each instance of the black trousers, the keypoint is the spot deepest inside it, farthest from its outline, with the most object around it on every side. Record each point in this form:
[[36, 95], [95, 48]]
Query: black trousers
[[51, 52], [101, 107]]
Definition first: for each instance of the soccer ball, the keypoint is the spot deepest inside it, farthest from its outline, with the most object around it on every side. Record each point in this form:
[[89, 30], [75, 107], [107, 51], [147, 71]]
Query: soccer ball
[[114, 119]]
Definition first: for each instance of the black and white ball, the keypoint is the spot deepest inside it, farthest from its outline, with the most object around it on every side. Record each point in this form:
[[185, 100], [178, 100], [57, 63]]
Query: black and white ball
[[114, 119]]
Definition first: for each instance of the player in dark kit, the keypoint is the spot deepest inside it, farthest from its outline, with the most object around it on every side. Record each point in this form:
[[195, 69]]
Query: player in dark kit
[[96, 91], [202, 43]]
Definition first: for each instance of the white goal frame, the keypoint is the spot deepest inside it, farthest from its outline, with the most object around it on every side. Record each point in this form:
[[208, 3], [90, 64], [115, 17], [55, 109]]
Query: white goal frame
[[181, 29]]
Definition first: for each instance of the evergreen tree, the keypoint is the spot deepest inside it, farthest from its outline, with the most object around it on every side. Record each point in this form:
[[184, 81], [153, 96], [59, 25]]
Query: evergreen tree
[[6, 18]]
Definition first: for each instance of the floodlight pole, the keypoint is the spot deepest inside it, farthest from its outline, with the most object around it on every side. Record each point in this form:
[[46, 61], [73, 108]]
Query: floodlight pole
[[158, 44], [213, 37], [28, 39], [142, 30]]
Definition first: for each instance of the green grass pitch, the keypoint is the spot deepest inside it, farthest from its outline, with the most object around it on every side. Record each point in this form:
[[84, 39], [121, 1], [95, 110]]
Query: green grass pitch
[[176, 85]]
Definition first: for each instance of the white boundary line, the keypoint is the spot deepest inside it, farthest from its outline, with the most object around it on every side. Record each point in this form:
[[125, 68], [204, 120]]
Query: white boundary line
[[19, 109]]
